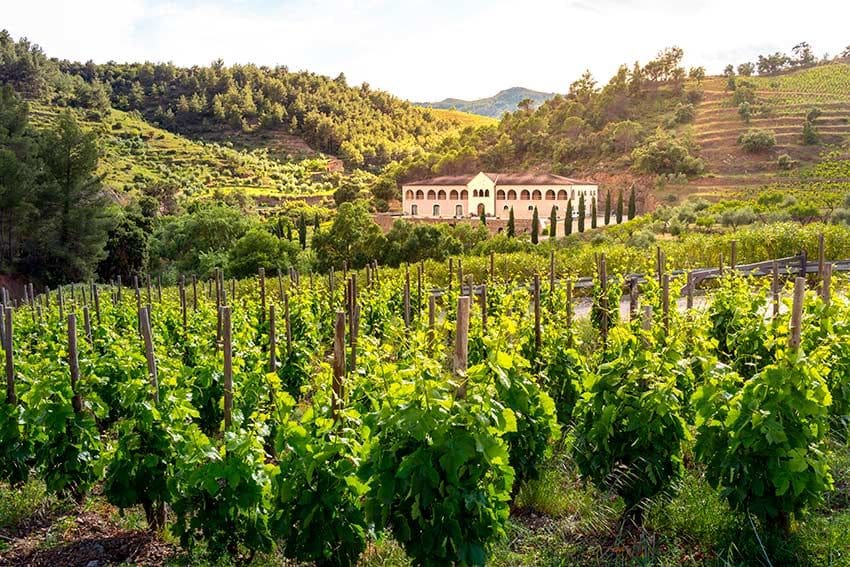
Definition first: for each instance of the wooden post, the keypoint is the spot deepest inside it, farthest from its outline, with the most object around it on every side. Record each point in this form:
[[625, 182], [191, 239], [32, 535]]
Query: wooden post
[[148, 281], [419, 292], [74, 362], [87, 323], [826, 284], [460, 274], [451, 273], [733, 255], [2, 323], [797, 314], [665, 301], [821, 256], [720, 265], [217, 287], [194, 293], [96, 296], [339, 364], [272, 340], [633, 298], [552, 281], [536, 304], [228, 366], [460, 357], [262, 294], [117, 291], [61, 302], [775, 288], [147, 335], [280, 282], [690, 290], [11, 397], [659, 264], [804, 263]]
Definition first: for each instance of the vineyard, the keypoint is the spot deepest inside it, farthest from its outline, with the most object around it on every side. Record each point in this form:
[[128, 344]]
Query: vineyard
[[360, 416]]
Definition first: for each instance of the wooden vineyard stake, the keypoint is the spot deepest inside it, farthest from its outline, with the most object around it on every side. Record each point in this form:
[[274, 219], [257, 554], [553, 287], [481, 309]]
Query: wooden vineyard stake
[[419, 292], [74, 362], [8, 343], [570, 310], [460, 357], [451, 272], [536, 307], [460, 273], [603, 282], [183, 302], [338, 364], [61, 301], [147, 335], [262, 294], [148, 283], [551, 279], [826, 284], [218, 302], [96, 297], [665, 301], [117, 291], [407, 297], [804, 263], [775, 288], [633, 298], [287, 324], [659, 264], [797, 314], [232, 289], [690, 290], [280, 282], [194, 293], [138, 302], [733, 255], [272, 340], [720, 265], [345, 270], [87, 323], [483, 300], [2, 324], [228, 366], [821, 256], [432, 308]]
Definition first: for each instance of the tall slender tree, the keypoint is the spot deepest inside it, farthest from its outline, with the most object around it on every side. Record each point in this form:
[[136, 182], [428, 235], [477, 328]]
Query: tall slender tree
[[316, 225], [581, 213], [632, 204], [608, 208], [535, 227], [511, 224], [483, 218], [593, 213], [553, 222], [568, 219], [302, 231], [620, 206]]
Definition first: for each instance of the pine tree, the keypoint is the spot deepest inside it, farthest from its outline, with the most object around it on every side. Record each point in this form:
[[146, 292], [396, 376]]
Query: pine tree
[[632, 204], [553, 222], [302, 231], [568, 221], [581, 212], [511, 224], [535, 227], [608, 208], [620, 206]]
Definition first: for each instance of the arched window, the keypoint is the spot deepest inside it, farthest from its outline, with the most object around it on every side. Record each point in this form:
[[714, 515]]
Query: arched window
[[464, 194], [562, 195], [441, 195], [535, 195], [475, 192], [453, 195], [414, 210], [506, 208], [432, 194], [420, 194], [525, 195], [530, 207], [500, 194], [436, 210], [511, 195], [550, 195], [458, 211], [486, 192], [409, 194]]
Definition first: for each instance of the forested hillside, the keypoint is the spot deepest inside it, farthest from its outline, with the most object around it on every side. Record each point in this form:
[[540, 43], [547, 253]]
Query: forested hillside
[[494, 106]]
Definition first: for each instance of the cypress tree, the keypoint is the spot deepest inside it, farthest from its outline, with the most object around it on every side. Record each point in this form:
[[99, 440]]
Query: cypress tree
[[316, 223], [553, 223], [289, 231], [535, 227], [632, 204], [568, 221], [483, 218], [511, 224], [593, 214], [608, 208], [581, 212], [620, 206], [302, 231]]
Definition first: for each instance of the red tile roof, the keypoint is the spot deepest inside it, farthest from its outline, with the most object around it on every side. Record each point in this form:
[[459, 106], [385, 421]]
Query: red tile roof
[[502, 179]]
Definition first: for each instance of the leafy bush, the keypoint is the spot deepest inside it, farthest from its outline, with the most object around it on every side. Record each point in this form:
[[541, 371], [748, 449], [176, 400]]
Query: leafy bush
[[785, 162], [757, 140], [810, 133], [662, 153]]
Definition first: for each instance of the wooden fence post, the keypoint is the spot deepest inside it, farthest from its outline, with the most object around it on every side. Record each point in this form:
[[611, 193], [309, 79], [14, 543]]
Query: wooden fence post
[[96, 296], [338, 364], [432, 314], [733, 255], [87, 323], [804, 263], [826, 284], [147, 335], [797, 314], [74, 362], [460, 357], [228, 366]]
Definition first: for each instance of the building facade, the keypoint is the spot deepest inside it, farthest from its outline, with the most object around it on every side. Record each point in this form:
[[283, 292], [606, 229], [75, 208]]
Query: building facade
[[494, 194]]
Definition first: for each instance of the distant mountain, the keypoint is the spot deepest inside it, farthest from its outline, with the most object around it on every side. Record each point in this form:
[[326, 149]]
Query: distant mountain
[[504, 101]]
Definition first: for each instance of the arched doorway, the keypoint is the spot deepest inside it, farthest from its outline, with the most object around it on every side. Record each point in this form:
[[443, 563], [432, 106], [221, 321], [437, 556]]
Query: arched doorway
[[480, 209]]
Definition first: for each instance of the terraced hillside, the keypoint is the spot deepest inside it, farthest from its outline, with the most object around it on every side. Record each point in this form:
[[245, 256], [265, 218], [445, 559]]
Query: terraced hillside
[[137, 155], [786, 100]]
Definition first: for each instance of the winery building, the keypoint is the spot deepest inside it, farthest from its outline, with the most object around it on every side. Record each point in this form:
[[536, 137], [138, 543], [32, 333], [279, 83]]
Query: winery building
[[494, 194]]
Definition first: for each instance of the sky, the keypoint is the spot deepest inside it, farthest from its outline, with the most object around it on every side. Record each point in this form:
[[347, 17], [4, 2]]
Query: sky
[[426, 50]]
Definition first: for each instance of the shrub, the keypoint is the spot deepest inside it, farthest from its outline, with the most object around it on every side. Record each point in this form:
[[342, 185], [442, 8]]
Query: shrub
[[785, 162], [810, 134], [757, 140], [662, 153], [684, 113]]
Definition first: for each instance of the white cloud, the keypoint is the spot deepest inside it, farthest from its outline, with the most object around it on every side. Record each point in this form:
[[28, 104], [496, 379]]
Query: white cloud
[[427, 50]]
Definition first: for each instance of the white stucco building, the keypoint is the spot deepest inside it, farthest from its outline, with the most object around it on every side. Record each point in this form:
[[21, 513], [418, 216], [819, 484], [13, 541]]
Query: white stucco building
[[463, 196]]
